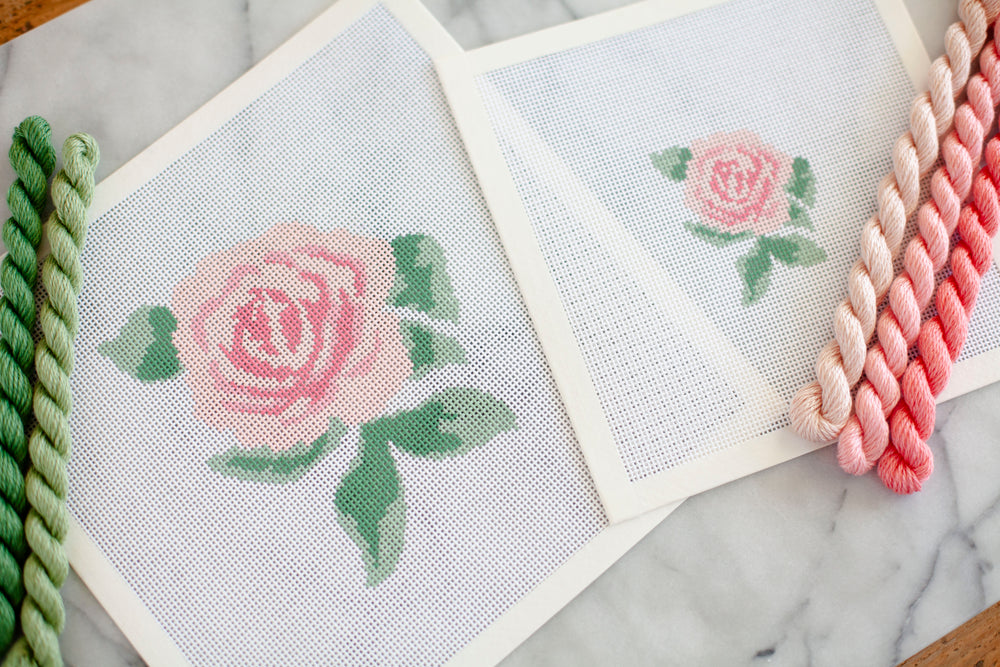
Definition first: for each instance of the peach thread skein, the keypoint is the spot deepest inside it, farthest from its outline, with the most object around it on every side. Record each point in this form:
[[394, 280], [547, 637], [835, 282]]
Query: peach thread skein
[[907, 462], [866, 434], [819, 410]]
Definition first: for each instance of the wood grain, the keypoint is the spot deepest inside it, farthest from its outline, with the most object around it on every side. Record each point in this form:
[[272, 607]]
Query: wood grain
[[20, 16], [975, 644]]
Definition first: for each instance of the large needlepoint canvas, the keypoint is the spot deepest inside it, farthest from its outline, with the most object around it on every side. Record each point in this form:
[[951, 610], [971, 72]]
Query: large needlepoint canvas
[[313, 422]]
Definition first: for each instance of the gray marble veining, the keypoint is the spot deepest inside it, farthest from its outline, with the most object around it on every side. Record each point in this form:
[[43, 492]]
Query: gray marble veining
[[798, 565], [795, 565]]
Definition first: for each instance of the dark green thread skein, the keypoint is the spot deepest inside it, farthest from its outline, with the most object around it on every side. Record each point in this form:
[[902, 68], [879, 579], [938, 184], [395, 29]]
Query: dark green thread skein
[[46, 483], [33, 159]]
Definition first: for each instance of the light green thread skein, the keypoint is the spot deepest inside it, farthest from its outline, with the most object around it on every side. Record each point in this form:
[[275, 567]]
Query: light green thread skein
[[33, 158], [42, 614]]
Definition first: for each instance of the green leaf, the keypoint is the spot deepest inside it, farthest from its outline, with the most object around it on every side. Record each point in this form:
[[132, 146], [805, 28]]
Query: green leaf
[[370, 506], [262, 464], [793, 250], [429, 349], [369, 500], [798, 216], [714, 236], [755, 270], [422, 281], [802, 184], [672, 162], [449, 423], [144, 347]]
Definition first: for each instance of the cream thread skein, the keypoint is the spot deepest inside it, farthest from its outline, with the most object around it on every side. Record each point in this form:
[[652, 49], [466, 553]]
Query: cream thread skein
[[819, 410]]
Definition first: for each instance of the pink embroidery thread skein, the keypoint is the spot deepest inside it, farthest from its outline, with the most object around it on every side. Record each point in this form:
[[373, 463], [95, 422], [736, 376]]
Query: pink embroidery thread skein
[[819, 410], [866, 433], [908, 461]]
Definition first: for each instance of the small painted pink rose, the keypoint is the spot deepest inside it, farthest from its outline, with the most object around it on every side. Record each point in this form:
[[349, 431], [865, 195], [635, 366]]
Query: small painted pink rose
[[283, 332], [736, 183]]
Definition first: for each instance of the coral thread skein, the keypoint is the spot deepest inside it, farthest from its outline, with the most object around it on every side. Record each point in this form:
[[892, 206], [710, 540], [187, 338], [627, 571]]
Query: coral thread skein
[[819, 410], [866, 434], [908, 461]]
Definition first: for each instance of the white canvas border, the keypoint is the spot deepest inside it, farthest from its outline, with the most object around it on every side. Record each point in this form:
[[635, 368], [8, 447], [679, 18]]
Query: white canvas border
[[530, 612], [124, 606], [624, 499]]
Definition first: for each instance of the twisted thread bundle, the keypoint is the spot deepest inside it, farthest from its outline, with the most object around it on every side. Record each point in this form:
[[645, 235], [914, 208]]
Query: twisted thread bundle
[[907, 461], [33, 159], [866, 434], [42, 613], [820, 410]]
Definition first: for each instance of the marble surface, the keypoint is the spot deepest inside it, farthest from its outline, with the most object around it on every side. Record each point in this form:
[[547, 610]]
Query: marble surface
[[796, 565]]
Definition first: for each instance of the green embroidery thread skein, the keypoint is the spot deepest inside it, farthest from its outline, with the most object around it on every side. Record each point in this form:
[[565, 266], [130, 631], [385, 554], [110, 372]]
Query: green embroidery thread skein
[[42, 614], [33, 158]]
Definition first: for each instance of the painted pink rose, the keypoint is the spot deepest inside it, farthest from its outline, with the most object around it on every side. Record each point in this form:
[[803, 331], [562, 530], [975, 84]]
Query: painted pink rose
[[285, 331], [736, 183]]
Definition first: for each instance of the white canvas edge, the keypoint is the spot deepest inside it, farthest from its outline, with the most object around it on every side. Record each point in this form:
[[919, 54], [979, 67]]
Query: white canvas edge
[[615, 22], [569, 370], [529, 613], [128, 612], [117, 597], [623, 499]]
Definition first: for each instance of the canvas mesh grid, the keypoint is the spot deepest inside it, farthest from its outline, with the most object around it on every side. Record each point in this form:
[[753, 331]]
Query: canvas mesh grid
[[357, 139], [577, 128]]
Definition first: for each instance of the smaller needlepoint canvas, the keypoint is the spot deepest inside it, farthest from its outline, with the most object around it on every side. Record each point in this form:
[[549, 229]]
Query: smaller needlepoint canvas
[[680, 189], [313, 424]]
